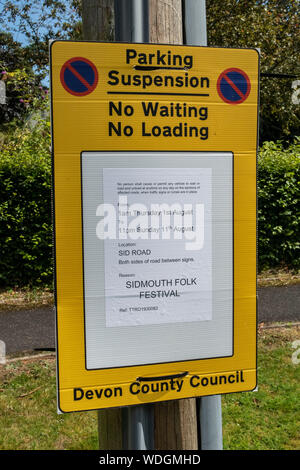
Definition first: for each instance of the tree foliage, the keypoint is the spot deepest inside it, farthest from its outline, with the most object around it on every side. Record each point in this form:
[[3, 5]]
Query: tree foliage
[[273, 27], [24, 91], [25, 207], [278, 205], [39, 22], [25, 66]]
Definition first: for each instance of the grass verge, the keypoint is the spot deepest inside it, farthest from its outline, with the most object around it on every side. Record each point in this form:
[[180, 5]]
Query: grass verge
[[25, 299], [278, 277], [268, 419]]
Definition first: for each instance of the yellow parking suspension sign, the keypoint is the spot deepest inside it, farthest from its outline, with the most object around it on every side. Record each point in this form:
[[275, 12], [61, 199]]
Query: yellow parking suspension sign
[[154, 177]]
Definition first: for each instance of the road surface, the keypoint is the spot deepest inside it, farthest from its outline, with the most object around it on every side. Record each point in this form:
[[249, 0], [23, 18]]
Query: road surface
[[32, 330]]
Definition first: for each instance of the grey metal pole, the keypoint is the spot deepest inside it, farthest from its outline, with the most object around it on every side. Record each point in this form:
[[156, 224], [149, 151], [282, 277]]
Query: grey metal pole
[[140, 427], [211, 436], [131, 20], [195, 22], [123, 20], [140, 30], [137, 421], [209, 408]]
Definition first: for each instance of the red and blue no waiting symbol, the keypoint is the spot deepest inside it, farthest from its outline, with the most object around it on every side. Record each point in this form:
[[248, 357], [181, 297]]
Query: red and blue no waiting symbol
[[233, 86], [79, 76]]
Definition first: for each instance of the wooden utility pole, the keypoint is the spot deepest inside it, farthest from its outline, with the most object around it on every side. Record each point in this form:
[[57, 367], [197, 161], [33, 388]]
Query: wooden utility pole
[[98, 21], [175, 422], [165, 22]]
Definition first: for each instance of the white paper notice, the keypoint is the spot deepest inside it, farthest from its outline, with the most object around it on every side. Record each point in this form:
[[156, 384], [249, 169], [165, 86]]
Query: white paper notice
[[158, 254]]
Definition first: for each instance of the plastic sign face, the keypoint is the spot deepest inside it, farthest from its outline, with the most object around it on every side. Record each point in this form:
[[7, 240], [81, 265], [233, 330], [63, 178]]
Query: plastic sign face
[[154, 177]]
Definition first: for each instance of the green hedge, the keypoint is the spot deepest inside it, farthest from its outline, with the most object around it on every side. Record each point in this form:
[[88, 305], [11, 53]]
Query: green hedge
[[278, 205], [25, 208]]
